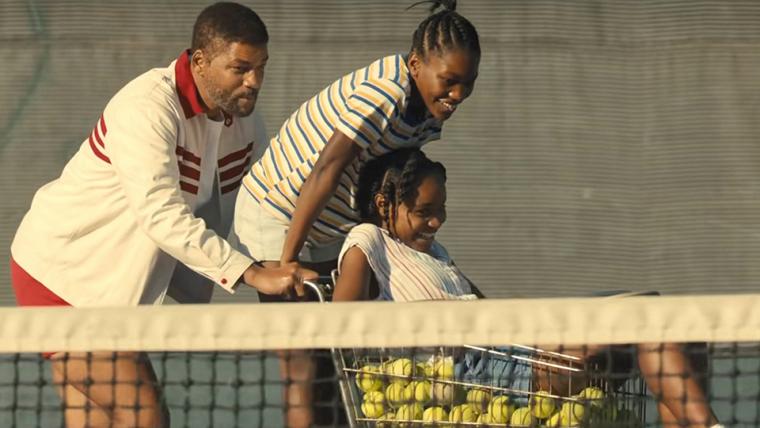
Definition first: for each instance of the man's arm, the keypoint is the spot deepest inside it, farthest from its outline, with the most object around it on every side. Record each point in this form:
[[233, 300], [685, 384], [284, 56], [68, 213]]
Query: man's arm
[[141, 146]]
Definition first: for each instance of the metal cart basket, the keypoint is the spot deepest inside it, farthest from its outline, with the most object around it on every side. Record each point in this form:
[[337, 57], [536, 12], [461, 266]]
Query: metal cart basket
[[432, 387]]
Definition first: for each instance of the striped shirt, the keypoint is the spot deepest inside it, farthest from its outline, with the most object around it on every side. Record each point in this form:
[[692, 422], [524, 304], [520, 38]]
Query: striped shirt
[[404, 274], [370, 107]]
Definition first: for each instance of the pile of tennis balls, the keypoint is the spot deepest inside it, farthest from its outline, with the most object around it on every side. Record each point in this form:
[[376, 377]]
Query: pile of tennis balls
[[398, 391]]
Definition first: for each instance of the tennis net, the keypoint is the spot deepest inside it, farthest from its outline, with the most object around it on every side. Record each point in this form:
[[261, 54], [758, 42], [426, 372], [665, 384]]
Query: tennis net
[[526, 362]]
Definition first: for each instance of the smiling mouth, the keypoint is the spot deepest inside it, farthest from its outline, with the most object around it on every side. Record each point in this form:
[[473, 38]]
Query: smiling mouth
[[449, 107], [427, 236]]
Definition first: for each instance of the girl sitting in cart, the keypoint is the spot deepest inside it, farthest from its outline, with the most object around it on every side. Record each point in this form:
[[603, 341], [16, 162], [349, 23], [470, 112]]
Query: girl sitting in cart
[[393, 255]]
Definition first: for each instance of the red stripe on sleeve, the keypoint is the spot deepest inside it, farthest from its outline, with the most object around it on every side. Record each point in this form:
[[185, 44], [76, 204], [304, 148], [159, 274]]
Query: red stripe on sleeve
[[97, 137], [187, 187], [232, 186], [234, 171], [103, 125], [232, 157], [189, 156], [189, 172], [97, 151]]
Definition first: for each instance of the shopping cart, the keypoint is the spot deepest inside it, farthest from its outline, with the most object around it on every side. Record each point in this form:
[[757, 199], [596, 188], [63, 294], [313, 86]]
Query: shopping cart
[[387, 387]]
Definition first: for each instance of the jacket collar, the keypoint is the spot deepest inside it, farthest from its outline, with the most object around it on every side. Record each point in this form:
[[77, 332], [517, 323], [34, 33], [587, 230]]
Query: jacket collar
[[186, 88]]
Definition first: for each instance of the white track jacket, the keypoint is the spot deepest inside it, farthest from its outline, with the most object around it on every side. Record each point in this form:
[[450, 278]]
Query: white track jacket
[[111, 229]]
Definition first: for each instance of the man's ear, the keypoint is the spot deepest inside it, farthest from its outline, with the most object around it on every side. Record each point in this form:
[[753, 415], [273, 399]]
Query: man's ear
[[199, 61]]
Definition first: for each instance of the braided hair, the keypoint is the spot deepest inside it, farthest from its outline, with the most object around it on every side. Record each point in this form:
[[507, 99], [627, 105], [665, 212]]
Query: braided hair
[[396, 176], [444, 30]]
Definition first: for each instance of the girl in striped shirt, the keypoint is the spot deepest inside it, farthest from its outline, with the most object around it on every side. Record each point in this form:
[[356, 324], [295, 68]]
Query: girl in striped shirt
[[394, 256], [302, 190]]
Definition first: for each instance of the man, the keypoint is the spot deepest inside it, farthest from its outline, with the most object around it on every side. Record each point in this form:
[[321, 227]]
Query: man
[[139, 210]]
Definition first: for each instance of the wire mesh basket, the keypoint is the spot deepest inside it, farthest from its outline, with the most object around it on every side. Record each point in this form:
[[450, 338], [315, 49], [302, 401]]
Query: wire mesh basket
[[515, 386]]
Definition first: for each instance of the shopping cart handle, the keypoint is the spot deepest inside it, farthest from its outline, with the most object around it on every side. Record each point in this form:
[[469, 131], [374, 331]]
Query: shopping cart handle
[[321, 290]]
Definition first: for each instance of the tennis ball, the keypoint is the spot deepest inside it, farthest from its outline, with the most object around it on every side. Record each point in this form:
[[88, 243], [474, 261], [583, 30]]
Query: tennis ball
[[374, 397], [463, 413], [553, 421], [444, 368], [435, 414], [522, 417], [541, 405], [483, 419], [478, 399], [386, 420], [368, 379], [429, 370], [409, 412], [500, 410], [373, 410], [396, 394], [571, 414], [385, 366], [592, 393], [419, 391], [401, 370], [445, 393]]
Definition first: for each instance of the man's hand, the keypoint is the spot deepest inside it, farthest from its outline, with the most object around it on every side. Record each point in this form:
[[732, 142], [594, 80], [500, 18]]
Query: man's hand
[[286, 280]]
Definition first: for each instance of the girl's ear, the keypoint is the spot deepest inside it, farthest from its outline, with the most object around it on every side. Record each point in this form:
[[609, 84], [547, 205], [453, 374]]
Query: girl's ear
[[414, 63], [381, 204]]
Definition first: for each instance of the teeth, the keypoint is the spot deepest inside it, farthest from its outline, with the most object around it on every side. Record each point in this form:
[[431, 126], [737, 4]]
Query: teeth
[[449, 107], [427, 235]]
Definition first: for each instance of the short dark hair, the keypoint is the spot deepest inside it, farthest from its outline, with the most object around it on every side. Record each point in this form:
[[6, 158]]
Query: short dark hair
[[444, 30], [396, 176], [227, 22]]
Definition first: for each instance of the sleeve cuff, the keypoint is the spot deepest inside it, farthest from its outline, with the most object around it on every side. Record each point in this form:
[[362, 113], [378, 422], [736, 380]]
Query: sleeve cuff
[[232, 271]]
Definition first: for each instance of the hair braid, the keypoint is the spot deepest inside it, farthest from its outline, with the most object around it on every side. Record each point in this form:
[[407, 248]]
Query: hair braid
[[444, 30], [396, 176]]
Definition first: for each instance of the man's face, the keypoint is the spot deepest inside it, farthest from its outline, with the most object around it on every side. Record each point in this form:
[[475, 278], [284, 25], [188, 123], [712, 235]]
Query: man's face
[[231, 79]]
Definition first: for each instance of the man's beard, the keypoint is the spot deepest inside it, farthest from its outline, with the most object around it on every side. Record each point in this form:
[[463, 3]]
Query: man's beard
[[228, 102]]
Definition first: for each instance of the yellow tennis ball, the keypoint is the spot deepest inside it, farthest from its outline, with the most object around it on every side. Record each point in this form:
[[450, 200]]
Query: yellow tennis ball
[[592, 393], [386, 421], [571, 414], [522, 417], [554, 420], [444, 368], [368, 379], [401, 370], [483, 419], [396, 394], [478, 398], [374, 397], [419, 391], [435, 414], [500, 409], [445, 394], [373, 410], [385, 366], [541, 405], [463, 413], [409, 412]]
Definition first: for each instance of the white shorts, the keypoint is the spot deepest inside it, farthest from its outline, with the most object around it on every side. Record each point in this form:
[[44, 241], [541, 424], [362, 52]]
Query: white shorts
[[258, 234]]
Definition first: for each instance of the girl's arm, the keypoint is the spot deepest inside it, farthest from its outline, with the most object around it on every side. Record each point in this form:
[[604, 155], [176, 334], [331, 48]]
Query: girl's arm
[[318, 188], [355, 274]]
